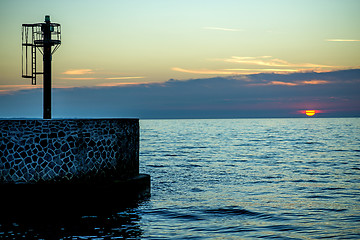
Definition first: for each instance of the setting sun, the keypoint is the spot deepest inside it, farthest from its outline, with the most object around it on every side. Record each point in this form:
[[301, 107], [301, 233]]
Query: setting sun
[[310, 112]]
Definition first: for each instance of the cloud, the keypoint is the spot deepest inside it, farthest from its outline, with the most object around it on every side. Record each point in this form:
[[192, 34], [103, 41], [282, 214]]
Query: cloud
[[258, 95], [342, 40], [103, 76], [78, 72], [9, 89], [262, 70], [78, 78], [282, 83], [115, 84], [272, 62], [292, 83], [99, 78], [261, 64], [315, 82], [3, 91], [120, 78], [203, 71], [233, 71], [222, 29]]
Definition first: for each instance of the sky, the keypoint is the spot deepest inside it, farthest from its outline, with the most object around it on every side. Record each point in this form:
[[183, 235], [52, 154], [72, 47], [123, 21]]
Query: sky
[[291, 55]]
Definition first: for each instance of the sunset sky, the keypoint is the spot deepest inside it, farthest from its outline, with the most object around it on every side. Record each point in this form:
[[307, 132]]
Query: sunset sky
[[111, 45]]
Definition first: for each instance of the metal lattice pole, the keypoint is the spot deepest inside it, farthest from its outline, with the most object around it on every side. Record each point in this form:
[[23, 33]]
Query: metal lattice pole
[[47, 68]]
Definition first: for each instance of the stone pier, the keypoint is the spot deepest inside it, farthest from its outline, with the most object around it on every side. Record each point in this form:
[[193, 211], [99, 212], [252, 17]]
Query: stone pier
[[72, 154]]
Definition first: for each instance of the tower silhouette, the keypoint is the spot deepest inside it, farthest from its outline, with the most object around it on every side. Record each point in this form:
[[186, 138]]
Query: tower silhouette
[[41, 36]]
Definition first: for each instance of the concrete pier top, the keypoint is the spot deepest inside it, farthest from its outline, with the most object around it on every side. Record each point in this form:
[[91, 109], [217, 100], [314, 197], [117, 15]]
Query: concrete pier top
[[70, 150]]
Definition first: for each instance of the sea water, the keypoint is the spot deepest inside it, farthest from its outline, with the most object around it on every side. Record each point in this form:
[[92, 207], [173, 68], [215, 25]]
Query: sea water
[[252, 178], [232, 179]]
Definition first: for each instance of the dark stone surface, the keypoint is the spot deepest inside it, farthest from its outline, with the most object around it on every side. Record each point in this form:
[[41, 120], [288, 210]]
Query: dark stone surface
[[67, 198], [68, 150]]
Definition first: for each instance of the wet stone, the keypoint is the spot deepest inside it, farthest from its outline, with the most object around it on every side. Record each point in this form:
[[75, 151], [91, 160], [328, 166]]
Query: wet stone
[[92, 143], [34, 150], [23, 154], [53, 135], [43, 143], [41, 154], [61, 134], [28, 160], [70, 139], [38, 147], [43, 136], [47, 157], [44, 164], [10, 145], [35, 158], [65, 147], [57, 145]]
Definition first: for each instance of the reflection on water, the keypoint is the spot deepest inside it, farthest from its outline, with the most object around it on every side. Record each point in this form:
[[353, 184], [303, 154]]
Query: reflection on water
[[107, 222], [226, 179], [252, 178]]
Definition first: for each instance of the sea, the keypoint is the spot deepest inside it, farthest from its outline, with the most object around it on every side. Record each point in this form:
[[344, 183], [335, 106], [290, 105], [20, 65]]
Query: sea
[[296, 178]]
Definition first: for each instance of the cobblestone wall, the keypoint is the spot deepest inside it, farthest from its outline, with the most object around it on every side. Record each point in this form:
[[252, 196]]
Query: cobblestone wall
[[68, 150]]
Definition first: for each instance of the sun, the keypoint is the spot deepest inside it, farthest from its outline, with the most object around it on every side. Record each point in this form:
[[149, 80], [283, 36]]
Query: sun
[[310, 112]]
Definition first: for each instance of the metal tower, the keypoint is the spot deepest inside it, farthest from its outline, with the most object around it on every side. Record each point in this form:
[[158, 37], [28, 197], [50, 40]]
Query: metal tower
[[41, 36]]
